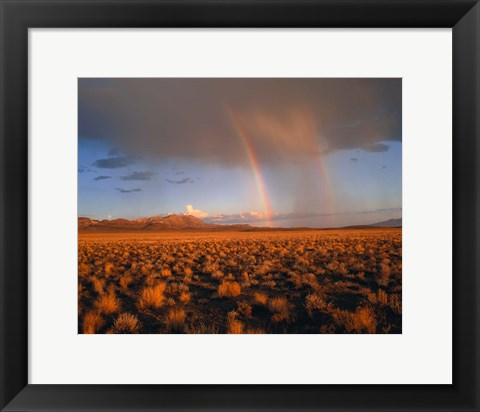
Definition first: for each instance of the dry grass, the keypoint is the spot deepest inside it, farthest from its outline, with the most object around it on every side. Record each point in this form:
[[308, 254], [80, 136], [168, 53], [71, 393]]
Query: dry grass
[[98, 285], [333, 281], [229, 289], [234, 325], [245, 309], [108, 303], [109, 268], [126, 323], [260, 298], [363, 320], [125, 281], [151, 297], [278, 305], [314, 302], [175, 321], [185, 297], [92, 322], [83, 270], [279, 308]]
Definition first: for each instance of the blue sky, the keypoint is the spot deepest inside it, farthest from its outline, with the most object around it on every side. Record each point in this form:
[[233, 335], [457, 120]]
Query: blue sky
[[277, 152]]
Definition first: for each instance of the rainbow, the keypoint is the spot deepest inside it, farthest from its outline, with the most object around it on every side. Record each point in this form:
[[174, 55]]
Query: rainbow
[[325, 180], [252, 157], [319, 161]]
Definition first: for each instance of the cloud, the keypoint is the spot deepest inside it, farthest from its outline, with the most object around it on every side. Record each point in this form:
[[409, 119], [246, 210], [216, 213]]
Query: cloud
[[211, 121], [189, 210], [113, 152], [83, 169], [353, 159], [181, 181], [254, 217], [138, 176], [376, 147], [128, 190], [113, 162], [102, 178], [245, 217]]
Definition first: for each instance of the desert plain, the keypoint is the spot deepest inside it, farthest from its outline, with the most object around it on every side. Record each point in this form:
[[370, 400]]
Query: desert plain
[[240, 280]]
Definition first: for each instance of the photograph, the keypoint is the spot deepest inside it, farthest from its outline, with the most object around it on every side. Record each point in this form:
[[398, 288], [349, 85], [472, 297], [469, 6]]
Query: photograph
[[239, 205]]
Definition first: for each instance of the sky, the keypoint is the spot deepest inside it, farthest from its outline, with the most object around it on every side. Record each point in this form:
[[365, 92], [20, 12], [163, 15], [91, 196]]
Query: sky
[[279, 152]]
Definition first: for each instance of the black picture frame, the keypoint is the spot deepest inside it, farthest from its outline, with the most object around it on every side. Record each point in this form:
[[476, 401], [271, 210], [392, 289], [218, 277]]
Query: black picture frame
[[17, 16]]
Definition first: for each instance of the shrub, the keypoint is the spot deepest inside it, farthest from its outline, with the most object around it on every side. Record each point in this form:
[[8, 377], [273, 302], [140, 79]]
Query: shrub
[[385, 272], [234, 326], [310, 279], [359, 248], [108, 303], [260, 298], [395, 303], [217, 274], [109, 268], [229, 289], [342, 269], [83, 270], [313, 302], [98, 285], [363, 320], [152, 296], [184, 297], [175, 321], [279, 307], [125, 281], [245, 309], [92, 322], [126, 323], [382, 297], [270, 283]]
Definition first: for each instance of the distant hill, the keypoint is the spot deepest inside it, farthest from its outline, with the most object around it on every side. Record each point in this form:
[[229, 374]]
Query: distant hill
[[170, 222], [155, 223], [388, 223]]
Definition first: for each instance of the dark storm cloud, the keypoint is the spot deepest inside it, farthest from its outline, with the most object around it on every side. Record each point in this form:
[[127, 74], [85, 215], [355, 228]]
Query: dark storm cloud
[[181, 181], [211, 120], [138, 176], [113, 162], [102, 178], [128, 190]]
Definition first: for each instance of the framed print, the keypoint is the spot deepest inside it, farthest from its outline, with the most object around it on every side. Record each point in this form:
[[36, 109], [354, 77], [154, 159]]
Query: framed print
[[192, 285], [239, 206]]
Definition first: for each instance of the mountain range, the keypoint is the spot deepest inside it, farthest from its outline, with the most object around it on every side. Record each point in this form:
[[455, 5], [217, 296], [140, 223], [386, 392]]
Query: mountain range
[[155, 223], [179, 222], [388, 223]]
